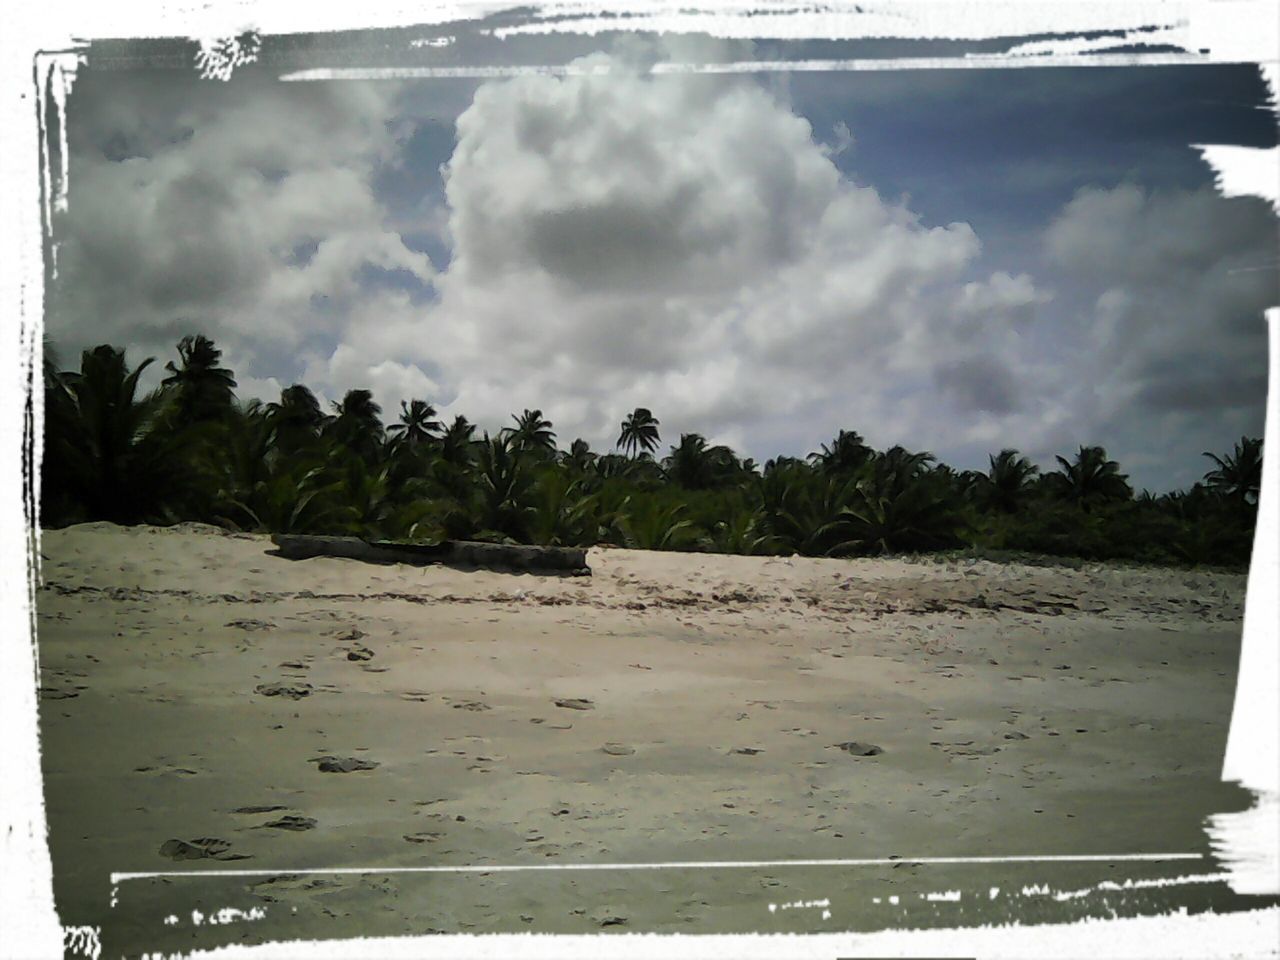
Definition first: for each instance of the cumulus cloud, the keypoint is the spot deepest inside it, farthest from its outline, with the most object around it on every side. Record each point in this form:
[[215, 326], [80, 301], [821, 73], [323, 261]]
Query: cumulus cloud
[[234, 215], [1172, 350], [684, 243]]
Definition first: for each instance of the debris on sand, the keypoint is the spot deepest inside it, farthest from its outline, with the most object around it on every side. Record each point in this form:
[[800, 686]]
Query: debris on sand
[[359, 653], [291, 822], [575, 703]]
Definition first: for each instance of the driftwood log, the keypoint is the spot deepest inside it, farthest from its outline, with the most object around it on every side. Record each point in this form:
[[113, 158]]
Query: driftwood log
[[502, 556]]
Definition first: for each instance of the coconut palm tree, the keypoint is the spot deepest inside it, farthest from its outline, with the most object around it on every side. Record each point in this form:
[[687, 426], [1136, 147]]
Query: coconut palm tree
[[417, 425], [358, 424], [1238, 475], [639, 432], [456, 442], [695, 466], [204, 390], [297, 418], [846, 454], [579, 457], [1092, 478], [1006, 485], [115, 462], [533, 434], [648, 525], [504, 486]]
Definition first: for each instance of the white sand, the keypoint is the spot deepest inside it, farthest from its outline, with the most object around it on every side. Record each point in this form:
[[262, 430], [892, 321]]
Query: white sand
[[153, 642]]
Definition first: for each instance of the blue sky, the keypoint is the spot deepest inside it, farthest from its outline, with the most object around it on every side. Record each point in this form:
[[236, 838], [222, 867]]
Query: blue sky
[[953, 260]]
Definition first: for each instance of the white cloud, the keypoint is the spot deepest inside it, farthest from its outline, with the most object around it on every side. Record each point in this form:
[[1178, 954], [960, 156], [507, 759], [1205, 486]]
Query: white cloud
[[1171, 355], [678, 242], [191, 211]]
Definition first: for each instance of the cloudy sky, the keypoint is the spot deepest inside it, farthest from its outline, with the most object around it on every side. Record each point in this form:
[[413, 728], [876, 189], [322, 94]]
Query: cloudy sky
[[955, 261]]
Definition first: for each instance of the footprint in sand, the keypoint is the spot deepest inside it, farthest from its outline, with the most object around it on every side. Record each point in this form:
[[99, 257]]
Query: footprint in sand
[[168, 768], [291, 822], [359, 653], [618, 749], [424, 836], [575, 703], [251, 626], [474, 705], [260, 808], [343, 764], [856, 749], [60, 693], [294, 691], [748, 751], [202, 848]]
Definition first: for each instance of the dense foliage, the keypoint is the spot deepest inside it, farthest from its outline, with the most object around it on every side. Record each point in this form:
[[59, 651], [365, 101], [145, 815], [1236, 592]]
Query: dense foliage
[[191, 451]]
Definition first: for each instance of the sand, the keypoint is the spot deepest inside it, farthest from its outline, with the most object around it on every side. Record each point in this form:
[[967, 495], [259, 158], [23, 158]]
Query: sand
[[206, 706]]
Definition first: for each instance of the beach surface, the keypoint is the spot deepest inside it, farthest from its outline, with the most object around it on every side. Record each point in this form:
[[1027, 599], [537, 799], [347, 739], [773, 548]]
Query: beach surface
[[209, 708]]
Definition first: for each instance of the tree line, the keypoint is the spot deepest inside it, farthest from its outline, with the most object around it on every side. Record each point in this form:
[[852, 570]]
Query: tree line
[[190, 451]]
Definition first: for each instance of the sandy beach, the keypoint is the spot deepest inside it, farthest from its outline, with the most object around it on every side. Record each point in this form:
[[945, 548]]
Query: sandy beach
[[207, 706]]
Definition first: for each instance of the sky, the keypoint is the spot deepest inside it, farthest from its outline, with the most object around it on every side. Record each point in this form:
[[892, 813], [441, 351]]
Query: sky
[[952, 260]]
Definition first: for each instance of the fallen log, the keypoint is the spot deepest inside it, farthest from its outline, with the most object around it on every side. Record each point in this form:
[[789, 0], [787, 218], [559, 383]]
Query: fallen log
[[504, 556]]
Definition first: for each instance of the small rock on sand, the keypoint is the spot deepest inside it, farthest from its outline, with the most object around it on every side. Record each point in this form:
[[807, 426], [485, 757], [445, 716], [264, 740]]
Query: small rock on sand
[[575, 703], [359, 653], [343, 764]]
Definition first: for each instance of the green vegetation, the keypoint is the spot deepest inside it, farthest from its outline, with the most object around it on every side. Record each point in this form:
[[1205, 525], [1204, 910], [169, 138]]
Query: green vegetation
[[190, 451]]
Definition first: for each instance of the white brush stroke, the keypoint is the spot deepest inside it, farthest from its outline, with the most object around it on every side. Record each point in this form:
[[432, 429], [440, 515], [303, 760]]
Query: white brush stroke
[[117, 878], [1239, 31]]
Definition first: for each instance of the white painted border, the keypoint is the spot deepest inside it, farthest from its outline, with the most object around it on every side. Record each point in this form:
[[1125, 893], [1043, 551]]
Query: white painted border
[[1231, 30]]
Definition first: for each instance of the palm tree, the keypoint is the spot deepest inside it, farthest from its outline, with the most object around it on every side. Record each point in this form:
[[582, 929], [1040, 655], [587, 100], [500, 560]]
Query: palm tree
[[204, 390], [417, 424], [695, 466], [846, 454], [114, 461], [1092, 478], [648, 525], [504, 489], [688, 465], [579, 457], [1008, 482], [1238, 475], [358, 424], [298, 419], [455, 444], [892, 472], [919, 515], [533, 434], [639, 431]]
